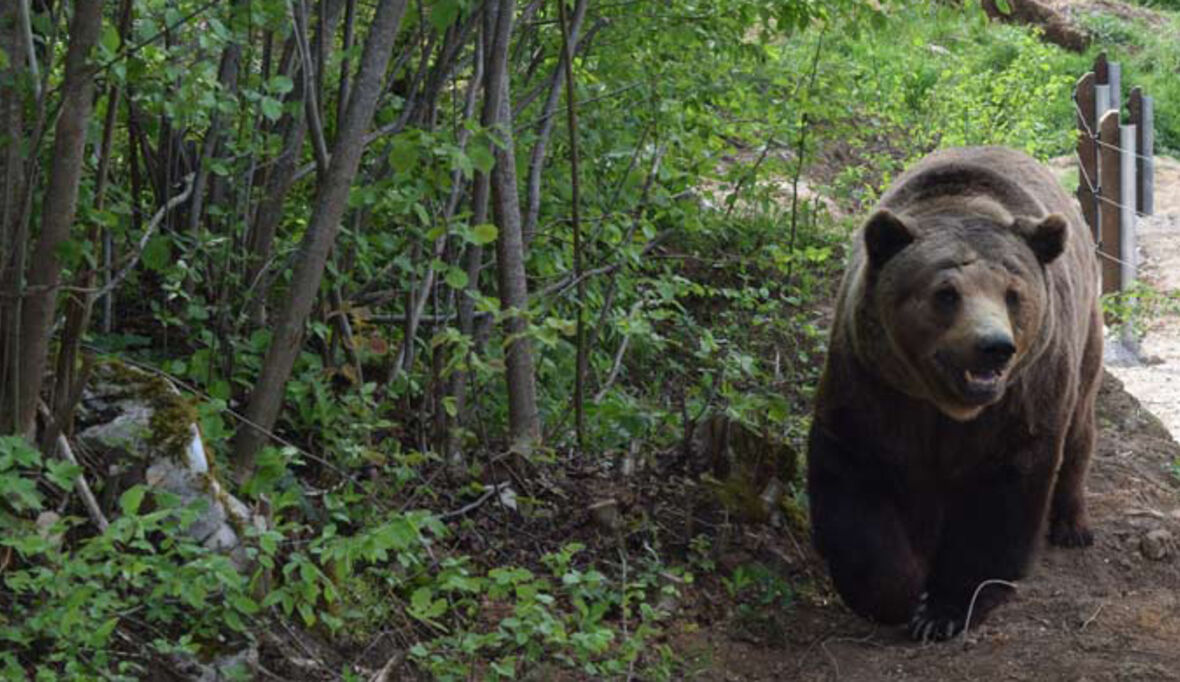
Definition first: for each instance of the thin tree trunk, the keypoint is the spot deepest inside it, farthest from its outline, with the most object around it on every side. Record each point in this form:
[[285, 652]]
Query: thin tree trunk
[[59, 208], [523, 419], [576, 223], [12, 201], [331, 201], [532, 210]]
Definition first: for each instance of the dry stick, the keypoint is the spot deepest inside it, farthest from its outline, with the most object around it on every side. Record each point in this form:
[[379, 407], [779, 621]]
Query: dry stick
[[971, 606], [471, 506], [1089, 620], [147, 235], [614, 370], [576, 223], [83, 488], [387, 669]]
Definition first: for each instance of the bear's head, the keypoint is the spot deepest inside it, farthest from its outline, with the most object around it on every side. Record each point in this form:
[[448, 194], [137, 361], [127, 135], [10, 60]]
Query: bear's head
[[959, 299]]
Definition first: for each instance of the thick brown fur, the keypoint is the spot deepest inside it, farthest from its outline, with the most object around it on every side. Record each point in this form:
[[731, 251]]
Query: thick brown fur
[[955, 417]]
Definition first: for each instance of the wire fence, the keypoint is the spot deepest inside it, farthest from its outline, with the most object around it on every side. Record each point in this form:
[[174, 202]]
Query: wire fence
[[1116, 170]]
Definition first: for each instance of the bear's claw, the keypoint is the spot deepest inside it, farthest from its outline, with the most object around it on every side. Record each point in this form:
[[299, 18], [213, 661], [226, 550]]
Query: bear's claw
[[934, 623]]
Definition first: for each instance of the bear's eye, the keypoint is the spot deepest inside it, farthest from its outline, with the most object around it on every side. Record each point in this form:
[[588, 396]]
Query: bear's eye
[[946, 297], [1012, 298]]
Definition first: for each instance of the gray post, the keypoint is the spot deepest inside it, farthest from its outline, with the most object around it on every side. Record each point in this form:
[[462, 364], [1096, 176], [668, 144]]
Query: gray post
[[1114, 78], [1101, 101], [1127, 185], [1142, 109]]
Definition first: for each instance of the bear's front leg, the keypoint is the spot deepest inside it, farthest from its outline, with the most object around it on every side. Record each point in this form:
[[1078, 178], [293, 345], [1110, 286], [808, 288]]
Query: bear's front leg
[[861, 528], [992, 525]]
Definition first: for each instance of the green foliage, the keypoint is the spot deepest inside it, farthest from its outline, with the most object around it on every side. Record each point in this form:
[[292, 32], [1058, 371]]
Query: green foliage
[[1148, 48], [514, 620], [1140, 305], [708, 290]]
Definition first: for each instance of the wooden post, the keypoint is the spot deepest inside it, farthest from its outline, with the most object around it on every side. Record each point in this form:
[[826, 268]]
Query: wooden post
[[1110, 193], [1126, 208], [1087, 152], [1142, 109]]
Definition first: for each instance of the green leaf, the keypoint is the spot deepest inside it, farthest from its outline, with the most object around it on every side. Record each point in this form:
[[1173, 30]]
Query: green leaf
[[403, 154], [456, 278], [272, 109], [130, 500], [62, 473], [281, 85], [110, 39], [1003, 6], [484, 233], [482, 158], [15, 450], [158, 253], [443, 14]]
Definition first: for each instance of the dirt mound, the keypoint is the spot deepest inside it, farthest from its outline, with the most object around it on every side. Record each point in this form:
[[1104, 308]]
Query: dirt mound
[[1108, 612]]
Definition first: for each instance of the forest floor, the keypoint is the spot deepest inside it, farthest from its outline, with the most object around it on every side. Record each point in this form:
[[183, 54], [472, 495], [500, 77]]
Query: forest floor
[[1109, 612]]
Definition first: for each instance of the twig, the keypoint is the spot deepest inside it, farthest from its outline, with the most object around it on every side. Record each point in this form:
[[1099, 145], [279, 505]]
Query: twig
[[467, 508], [63, 447], [1093, 616], [971, 606], [146, 236], [393, 662], [614, 370]]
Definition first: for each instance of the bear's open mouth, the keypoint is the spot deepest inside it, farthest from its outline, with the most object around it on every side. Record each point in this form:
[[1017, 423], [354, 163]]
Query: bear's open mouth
[[976, 386]]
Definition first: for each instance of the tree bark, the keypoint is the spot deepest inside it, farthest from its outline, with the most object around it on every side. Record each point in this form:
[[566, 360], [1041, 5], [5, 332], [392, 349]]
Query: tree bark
[[523, 419], [12, 212], [331, 202], [58, 210]]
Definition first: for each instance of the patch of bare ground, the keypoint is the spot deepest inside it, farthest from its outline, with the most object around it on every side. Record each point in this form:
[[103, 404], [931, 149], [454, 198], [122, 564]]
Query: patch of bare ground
[[1109, 612], [1157, 383]]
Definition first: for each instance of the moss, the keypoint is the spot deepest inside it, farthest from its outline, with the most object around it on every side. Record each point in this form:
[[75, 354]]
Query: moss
[[172, 413]]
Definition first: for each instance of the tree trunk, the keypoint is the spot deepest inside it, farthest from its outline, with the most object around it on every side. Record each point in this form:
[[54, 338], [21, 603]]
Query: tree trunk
[[331, 201], [12, 193], [523, 420], [58, 209]]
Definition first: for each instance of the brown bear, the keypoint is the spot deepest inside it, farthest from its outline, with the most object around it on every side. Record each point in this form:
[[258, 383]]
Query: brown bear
[[956, 409]]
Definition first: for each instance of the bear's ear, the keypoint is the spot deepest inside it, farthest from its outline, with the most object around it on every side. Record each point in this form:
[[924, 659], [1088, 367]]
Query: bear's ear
[[885, 235], [1047, 238]]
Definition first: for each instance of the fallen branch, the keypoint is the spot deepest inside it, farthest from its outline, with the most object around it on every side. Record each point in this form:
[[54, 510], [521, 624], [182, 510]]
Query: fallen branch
[[83, 488], [468, 508]]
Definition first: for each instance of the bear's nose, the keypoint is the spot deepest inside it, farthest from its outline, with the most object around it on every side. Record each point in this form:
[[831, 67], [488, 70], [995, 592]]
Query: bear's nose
[[996, 349]]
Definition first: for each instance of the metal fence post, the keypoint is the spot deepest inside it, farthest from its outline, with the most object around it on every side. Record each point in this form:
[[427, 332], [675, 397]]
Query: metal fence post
[[1142, 110], [1110, 192]]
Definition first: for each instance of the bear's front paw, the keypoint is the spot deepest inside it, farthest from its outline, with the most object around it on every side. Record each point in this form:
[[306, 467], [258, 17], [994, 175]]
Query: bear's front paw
[[935, 622], [1062, 534]]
